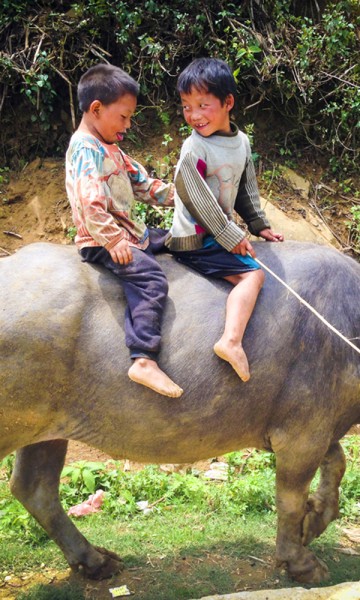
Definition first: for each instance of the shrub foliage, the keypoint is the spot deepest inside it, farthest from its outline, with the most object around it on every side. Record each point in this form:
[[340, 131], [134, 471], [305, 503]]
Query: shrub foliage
[[301, 58]]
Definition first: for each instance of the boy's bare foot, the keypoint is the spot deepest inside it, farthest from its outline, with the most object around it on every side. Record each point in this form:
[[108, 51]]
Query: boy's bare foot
[[147, 372], [235, 355]]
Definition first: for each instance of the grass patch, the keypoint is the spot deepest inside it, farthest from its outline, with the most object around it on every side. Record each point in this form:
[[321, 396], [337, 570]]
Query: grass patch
[[44, 592], [187, 554], [197, 537]]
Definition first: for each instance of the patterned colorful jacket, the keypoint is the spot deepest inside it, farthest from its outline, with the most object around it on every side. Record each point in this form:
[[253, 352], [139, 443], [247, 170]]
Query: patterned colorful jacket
[[102, 185]]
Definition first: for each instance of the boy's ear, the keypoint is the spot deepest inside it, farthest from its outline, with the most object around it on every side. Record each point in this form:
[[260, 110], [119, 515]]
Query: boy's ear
[[94, 108], [229, 102]]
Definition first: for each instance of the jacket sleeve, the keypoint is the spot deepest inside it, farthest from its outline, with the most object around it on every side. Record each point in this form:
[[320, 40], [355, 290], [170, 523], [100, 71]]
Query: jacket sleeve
[[247, 202], [145, 188], [197, 197]]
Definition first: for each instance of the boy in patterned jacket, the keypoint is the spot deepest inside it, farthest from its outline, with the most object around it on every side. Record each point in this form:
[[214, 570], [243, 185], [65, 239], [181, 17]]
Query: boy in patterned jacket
[[103, 184], [215, 176]]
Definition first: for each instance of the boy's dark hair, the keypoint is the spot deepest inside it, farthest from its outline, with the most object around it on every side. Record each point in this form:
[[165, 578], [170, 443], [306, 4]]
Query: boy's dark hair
[[105, 83], [209, 74]]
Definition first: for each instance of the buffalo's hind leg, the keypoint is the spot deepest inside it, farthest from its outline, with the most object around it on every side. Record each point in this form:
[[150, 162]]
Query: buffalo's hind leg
[[323, 506], [295, 469], [35, 483]]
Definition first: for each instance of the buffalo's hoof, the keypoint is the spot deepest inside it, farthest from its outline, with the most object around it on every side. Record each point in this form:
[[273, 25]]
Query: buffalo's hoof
[[109, 564], [316, 572]]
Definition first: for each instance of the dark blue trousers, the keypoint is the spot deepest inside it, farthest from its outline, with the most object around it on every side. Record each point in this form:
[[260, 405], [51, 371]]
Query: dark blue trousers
[[145, 287]]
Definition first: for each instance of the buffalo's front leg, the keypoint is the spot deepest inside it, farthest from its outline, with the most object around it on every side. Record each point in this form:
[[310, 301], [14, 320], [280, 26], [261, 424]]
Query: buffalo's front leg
[[323, 506], [35, 483], [294, 472]]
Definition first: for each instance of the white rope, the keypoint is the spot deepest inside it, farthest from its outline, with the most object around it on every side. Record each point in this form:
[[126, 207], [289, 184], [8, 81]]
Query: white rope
[[319, 316]]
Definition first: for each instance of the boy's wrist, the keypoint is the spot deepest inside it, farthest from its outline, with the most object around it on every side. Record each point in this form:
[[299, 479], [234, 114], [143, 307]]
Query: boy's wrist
[[257, 225], [230, 236], [115, 240]]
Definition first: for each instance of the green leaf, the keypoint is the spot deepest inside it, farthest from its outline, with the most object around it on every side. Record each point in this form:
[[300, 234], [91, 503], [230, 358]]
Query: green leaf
[[89, 480]]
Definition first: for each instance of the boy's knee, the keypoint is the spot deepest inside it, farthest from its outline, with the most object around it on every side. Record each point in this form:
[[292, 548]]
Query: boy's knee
[[160, 280], [257, 277]]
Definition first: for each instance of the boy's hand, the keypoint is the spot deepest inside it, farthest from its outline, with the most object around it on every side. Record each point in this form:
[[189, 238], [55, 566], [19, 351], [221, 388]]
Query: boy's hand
[[121, 252], [271, 236], [244, 248]]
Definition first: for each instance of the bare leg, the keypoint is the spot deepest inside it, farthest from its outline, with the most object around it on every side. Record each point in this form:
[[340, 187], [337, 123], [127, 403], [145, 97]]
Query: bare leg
[[148, 373], [239, 307]]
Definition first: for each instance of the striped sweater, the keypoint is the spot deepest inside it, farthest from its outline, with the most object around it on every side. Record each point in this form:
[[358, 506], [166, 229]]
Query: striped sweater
[[215, 176]]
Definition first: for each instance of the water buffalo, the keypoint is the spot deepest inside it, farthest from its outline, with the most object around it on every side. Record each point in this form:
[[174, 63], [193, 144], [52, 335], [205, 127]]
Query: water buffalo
[[64, 376]]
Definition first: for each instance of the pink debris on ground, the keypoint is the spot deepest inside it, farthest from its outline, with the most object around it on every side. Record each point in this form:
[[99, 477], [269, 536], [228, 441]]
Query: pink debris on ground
[[91, 505]]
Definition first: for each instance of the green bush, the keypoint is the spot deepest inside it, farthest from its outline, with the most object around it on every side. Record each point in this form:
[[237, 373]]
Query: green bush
[[302, 60], [354, 228]]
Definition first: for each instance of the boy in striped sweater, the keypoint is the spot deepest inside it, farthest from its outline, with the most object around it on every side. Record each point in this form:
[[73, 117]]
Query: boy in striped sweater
[[215, 175]]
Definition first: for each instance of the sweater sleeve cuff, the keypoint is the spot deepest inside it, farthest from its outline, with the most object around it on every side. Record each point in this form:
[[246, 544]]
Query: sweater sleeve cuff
[[114, 241], [230, 236], [257, 225]]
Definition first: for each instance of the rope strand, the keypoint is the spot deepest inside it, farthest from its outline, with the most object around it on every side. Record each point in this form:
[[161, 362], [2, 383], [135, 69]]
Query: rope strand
[[318, 315]]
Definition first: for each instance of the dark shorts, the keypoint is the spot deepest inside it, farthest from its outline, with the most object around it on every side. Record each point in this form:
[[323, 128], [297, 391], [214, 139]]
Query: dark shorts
[[214, 261]]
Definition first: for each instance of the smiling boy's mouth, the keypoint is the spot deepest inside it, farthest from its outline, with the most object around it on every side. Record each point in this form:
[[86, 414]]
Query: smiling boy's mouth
[[120, 136]]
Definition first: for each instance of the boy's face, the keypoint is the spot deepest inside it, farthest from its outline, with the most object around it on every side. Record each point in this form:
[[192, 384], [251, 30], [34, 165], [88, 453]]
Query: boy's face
[[204, 112], [109, 122]]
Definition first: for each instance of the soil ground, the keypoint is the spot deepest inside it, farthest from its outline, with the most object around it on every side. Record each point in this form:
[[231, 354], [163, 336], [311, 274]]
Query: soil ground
[[34, 207]]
